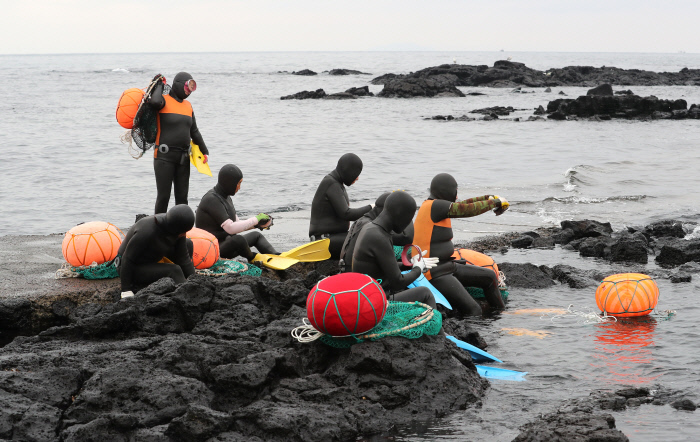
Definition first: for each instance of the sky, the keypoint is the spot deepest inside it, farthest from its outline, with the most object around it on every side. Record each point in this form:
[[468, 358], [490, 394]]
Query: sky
[[114, 26]]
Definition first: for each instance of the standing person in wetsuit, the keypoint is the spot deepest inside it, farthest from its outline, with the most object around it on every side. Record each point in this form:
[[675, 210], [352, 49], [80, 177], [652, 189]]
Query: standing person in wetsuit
[[140, 256], [217, 215], [433, 233], [176, 127], [330, 209], [398, 239], [374, 252]]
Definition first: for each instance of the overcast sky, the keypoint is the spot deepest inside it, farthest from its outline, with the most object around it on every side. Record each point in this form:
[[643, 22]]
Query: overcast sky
[[98, 26]]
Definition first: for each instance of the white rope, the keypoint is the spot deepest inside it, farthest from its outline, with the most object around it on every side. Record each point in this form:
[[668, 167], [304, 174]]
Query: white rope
[[66, 272], [306, 332], [126, 138], [585, 317], [501, 280]]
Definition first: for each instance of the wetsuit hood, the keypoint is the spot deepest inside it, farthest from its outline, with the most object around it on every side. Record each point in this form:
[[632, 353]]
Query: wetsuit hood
[[378, 206], [178, 87], [229, 176], [349, 168], [443, 187], [178, 220], [399, 209]]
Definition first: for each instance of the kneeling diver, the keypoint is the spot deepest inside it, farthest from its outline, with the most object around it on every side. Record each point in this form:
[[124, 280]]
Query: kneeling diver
[[397, 239], [433, 233], [154, 248], [374, 252], [217, 215], [330, 209]]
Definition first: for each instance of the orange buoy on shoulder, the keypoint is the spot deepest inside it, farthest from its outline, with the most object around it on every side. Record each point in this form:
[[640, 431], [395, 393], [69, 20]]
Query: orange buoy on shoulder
[[475, 258], [128, 105], [96, 241], [627, 295], [206, 248]]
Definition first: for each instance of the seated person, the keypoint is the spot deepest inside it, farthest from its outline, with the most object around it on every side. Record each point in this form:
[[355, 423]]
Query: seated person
[[433, 233], [154, 248], [374, 252], [217, 216], [330, 209], [398, 239]]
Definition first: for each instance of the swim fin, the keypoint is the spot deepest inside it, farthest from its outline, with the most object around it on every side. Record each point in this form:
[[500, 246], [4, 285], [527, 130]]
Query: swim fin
[[422, 281], [275, 262], [500, 373], [477, 354], [197, 160], [311, 252]]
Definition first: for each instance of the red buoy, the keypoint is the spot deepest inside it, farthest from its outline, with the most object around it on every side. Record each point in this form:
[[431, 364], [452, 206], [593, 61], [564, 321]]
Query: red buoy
[[346, 304]]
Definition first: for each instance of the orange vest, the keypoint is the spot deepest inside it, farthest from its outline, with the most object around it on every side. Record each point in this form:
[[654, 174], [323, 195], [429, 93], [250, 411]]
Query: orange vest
[[172, 106], [423, 229]]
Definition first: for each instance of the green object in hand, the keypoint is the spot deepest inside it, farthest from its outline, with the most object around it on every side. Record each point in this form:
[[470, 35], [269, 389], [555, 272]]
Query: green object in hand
[[263, 217]]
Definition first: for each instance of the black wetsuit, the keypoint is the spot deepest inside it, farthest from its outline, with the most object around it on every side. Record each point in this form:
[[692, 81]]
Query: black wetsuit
[[398, 239], [374, 252], [330, 209], [149, 241], [449, 277], [176, 127], [216, 208]]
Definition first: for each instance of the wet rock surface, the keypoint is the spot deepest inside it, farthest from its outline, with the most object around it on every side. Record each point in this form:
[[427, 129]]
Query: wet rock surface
[[305, 95], [584, 419], [305, 72], [432, 86], [346, 72], [512, 74], [213, 359], [608, 106]]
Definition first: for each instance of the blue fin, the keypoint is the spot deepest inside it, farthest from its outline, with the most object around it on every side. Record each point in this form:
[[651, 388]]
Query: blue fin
[[422, 281], [500, 373], [478, 354]]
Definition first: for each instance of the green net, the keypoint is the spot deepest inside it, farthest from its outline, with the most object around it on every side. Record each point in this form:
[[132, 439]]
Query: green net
[[407, 319], [145, 127], [478, 293], [225, 267], [94, 271], [397, 252]]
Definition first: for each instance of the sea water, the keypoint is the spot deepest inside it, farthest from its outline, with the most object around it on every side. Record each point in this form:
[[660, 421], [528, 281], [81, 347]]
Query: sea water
[[63, 163]]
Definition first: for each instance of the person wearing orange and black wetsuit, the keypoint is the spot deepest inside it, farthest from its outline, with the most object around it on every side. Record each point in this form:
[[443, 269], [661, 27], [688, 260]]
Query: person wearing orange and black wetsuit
[[433, 232], [176, 127]]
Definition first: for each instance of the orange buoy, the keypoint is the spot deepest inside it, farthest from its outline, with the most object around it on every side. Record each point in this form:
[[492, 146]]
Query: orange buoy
[[206, 248], [475, 258], [128, 105], [627, 294], [96, 241]]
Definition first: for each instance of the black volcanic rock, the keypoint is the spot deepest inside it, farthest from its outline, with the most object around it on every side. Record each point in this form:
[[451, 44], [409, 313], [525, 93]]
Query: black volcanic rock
[[498, 110], [433, 86], [305, 95], [620, 106], [306, 72], [346, 72], [362, 91], [602, 90]]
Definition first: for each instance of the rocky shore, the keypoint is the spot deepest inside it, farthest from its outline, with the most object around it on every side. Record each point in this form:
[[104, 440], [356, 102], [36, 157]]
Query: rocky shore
[[213, 359]]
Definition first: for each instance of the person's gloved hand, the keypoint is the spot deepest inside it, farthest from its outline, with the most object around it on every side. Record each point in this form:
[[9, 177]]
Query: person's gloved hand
[[206, 158], [424, 264], [502, 207], [264, 220], [128, 294]]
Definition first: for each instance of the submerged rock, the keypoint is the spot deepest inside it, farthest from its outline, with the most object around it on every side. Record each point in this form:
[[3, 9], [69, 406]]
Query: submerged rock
[[498, 110], [306, 72], [362, 91], [346, 72], [574, 427]]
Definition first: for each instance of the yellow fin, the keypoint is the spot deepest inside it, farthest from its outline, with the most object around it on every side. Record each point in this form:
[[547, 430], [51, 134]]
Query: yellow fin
[[275, 262], [197, 160]]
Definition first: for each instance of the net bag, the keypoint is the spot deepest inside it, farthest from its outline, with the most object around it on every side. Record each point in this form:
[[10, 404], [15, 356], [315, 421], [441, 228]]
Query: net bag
[[627, 295], [145, 127], [224, 267]]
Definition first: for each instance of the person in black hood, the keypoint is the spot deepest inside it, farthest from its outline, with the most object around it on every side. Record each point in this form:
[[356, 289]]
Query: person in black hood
[[398, 239], [176, 127], [330, 209], [374, 253], [433, 233], [156, 247], [217, 215]]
